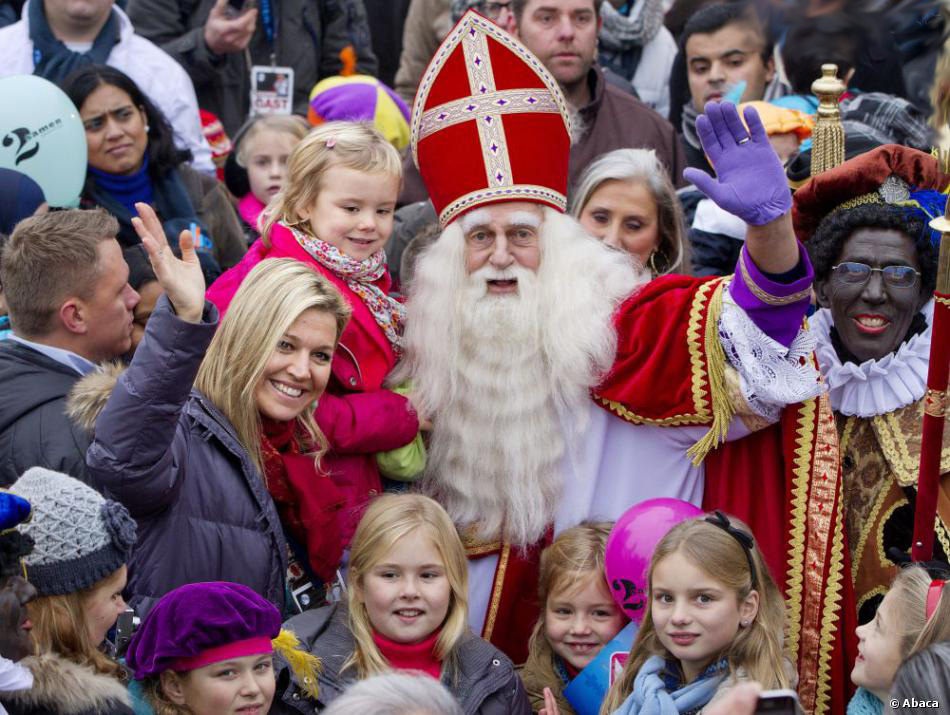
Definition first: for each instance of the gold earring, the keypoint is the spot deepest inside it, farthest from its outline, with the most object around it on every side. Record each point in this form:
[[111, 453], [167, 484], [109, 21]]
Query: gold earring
[[651, 262]]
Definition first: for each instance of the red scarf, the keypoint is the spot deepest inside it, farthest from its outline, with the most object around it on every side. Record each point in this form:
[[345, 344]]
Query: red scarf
[[308, 501], [411, 656]]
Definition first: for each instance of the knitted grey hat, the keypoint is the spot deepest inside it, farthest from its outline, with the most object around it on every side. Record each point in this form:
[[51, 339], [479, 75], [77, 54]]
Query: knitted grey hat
[[79, 536]]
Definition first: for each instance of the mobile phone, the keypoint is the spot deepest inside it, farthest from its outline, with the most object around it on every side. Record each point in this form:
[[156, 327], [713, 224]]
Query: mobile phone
[[778, 702], [125, 626]]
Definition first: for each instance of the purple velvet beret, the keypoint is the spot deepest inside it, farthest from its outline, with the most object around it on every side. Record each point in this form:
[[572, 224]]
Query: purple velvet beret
[[202, 623]]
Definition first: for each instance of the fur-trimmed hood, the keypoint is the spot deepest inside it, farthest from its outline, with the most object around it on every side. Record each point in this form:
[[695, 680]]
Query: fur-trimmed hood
[[90, 394], [67, 688]]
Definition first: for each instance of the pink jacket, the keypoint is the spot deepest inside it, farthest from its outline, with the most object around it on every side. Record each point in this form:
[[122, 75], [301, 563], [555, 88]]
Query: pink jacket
[[358, 416]]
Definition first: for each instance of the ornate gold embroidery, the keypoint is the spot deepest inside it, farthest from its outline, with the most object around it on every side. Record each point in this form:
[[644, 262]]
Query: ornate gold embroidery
[[943, 300], [879, 591], [699, 381], [879, 542], [942, 536], [801, 471], [869, 525], [768, 298], [497, 588], [825, 546], [935, 403], [526, 192]]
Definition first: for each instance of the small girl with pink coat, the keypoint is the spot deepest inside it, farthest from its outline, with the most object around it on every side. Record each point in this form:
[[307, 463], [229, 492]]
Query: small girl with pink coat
[[335, 213]]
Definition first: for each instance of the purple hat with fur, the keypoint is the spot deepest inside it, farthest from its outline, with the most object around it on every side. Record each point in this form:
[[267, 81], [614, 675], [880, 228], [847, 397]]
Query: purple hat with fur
[[202, 623]]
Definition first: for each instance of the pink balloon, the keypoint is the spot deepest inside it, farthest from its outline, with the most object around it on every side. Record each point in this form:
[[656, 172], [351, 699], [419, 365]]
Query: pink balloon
[[630, 547]]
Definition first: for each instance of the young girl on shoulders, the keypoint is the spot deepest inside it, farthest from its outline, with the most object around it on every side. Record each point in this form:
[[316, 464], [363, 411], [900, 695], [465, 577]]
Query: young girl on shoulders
[[915, 612], [579, 615], [336, 214], [406, 609], [257, 168], [716, 618]]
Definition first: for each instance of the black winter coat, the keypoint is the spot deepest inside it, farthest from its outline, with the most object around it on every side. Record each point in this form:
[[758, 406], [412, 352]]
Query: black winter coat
[[34, 429], [487, 683], [166, 452], [61, 687]]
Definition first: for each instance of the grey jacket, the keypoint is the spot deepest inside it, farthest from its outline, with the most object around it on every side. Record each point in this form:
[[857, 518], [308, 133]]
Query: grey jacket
[[34, 429], [162, 449], [310, 35], [487, 683]]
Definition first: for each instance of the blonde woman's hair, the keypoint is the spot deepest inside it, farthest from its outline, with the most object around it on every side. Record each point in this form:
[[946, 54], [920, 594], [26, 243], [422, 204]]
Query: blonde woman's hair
[[354, 145], [273, 295], [915, 630], [290, 125], [574, 558], [673, 255], [59, 626], [757, 649], [388, 519]]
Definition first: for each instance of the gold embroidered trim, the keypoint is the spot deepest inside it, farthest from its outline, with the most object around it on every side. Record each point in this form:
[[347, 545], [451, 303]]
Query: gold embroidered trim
[[825, 546], [497, 588], [942, 536], [765, 297], [722, 408], [794, 581], [882, 557], [831, 613], [866, 530], [895, 450], [481, 548], [515, 192], [935, 402], [942, 300], [699, 383]]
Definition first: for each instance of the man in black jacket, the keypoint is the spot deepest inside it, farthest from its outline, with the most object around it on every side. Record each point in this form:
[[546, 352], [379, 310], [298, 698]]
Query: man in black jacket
[[70, 303]]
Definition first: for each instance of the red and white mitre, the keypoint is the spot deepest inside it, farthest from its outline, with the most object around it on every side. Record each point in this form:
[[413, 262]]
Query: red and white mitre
[[489, 123]]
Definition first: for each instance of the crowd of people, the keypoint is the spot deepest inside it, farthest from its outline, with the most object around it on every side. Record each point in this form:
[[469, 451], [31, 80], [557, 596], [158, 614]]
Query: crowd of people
[[376, 316]]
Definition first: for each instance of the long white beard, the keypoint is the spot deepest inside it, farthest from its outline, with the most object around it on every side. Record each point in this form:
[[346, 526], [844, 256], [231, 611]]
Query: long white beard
[[506, 378]]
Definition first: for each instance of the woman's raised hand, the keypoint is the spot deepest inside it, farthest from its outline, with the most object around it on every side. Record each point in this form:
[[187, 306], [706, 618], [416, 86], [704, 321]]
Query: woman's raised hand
[[181, 279]]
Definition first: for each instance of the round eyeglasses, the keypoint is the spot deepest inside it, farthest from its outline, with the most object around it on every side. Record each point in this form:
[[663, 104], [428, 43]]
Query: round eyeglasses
[[852, 273], [492, 10]]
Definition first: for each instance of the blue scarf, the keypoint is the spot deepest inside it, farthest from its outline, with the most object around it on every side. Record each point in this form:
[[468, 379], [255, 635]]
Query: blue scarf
[[654, 693], [865, 702], [127, 190], [52, 60]]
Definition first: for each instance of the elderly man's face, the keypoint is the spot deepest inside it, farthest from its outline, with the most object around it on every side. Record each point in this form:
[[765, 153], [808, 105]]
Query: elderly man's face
[[563, 35], [16, 642], [499, 237], [873, 315], [718, 61]]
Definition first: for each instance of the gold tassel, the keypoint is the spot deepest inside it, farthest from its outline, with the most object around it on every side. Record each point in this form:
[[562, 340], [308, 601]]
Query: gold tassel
[[304, 666], [827, 147], [722, 408]]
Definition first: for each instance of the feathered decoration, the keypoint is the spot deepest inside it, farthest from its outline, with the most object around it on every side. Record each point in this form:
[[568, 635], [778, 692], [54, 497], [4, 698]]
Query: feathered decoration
[[927, 204], [304, 666]]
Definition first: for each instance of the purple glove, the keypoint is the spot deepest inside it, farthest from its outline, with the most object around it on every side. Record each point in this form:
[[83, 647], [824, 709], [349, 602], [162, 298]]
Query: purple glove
[[751, 182]]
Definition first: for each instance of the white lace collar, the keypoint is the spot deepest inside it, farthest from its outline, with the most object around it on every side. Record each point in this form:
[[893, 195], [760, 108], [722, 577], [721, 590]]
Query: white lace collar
[[875, 387]]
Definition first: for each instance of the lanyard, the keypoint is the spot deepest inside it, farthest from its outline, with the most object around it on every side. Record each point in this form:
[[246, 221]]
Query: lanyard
[[267, 20]]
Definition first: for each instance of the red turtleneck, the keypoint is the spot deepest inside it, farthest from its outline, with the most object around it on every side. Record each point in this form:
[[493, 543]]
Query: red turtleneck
[[411, 656]]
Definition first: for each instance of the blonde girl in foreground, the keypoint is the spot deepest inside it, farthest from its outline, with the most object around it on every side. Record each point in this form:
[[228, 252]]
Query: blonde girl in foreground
[[406, 609], [716, 618]]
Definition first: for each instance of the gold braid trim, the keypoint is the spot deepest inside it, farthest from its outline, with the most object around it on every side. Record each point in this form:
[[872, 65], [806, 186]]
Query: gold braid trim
[[873, 198], [940, 299], [942, 535], [764, 296], [794, 581], [496, 590], [722, 408], [879, 591], [830, 613]]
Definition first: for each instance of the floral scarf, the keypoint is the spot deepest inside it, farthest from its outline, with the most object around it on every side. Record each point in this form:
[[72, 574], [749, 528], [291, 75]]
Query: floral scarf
[[360, 277]]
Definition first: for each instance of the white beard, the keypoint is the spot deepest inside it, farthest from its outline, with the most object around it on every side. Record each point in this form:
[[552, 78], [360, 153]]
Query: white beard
[[506, 378]]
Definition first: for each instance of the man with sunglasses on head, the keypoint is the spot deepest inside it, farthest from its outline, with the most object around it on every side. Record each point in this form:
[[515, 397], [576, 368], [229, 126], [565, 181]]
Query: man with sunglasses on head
[[865, 224]]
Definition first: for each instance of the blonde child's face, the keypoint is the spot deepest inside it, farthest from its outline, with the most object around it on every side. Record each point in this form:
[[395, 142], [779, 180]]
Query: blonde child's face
[[240, 686], [879, 654], [353, 210], [695, 615], [407, 592], [267, 163], [580, 620]]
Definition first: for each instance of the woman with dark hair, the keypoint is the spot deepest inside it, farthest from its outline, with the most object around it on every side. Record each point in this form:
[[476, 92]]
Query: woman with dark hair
[[132, 157]]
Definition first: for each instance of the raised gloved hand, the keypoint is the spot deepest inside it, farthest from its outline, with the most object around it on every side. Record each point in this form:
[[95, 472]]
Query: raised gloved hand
[[750, 181]]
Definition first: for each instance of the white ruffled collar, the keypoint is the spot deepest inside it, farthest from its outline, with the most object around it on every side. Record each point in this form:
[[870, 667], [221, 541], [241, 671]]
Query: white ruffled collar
[[875, 387]]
